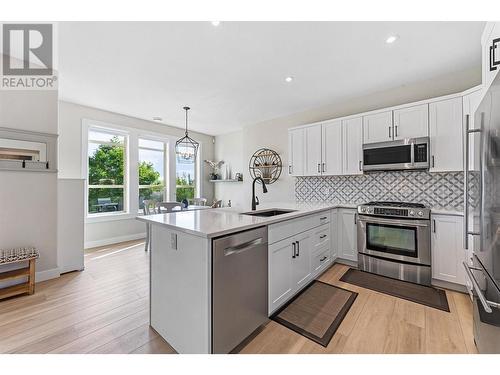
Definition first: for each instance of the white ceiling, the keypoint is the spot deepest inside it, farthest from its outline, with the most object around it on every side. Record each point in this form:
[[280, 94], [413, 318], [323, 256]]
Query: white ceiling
[[233, 75]]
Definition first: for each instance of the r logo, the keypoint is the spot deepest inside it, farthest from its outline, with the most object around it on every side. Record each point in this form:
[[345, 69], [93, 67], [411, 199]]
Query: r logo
[[27, 49]]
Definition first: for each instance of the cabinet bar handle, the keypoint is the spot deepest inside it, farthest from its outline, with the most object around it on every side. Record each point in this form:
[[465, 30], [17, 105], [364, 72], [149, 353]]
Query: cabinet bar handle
[[434, 225], [322, 259], [433, 162], [293, 250], [360, 169], [396, 128], [390, 136], [324, 168], [323, 236], [319, 168], [355, 219], [298, 248], [289, 169]]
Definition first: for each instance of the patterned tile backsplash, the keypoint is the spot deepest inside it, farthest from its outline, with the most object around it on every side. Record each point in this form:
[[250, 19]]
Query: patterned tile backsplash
[[435, 190]]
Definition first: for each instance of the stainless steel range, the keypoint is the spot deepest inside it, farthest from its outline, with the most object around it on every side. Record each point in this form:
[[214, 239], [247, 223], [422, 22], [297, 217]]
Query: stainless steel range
[[394, 240]]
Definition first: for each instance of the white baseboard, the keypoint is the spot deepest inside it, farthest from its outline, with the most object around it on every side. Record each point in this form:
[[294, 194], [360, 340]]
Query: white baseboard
[[113, 240], [47, 274]]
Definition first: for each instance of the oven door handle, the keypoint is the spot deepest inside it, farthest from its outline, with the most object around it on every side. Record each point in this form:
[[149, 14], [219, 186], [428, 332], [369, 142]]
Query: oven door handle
[[397, 222]]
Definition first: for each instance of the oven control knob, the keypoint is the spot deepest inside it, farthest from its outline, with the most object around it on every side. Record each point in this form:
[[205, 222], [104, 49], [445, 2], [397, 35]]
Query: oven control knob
[[412, 213], [363, 209], [420, 213]]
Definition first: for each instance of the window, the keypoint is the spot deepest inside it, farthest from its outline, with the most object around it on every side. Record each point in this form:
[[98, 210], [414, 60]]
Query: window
[[106, 171], [185, 180], [151, 171]]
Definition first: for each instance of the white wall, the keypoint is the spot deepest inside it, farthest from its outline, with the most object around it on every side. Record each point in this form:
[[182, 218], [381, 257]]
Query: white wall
[[28, 215], [70, 163], [236, 148]]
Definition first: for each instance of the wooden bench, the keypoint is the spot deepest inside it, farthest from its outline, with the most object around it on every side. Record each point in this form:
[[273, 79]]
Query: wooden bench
[[17, 256]]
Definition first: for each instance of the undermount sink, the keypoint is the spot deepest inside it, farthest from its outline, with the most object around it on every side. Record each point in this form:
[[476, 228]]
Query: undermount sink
[[268, 213]]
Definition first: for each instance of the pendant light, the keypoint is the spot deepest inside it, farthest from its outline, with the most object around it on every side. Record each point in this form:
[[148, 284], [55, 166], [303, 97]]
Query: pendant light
[[186, 148]]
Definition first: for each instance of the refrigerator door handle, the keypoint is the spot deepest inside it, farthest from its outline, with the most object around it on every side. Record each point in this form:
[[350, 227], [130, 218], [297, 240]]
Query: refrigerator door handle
[[466, 231]]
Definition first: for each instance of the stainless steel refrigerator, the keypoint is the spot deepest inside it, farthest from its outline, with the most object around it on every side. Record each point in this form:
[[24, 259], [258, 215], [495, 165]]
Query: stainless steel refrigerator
[[482, 218]]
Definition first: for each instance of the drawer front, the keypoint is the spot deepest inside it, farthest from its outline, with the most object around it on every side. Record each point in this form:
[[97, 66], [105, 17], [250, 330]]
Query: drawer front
[[289, 228], [280, 231], [321, 238], [320, 219], [321, 260]]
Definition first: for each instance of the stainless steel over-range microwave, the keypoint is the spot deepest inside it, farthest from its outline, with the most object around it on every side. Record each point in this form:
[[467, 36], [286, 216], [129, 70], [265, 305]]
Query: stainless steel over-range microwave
[[409, 153]]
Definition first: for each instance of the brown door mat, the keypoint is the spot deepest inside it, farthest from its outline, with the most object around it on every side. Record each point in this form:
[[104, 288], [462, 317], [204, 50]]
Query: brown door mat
[[317, 311], [425, 295]]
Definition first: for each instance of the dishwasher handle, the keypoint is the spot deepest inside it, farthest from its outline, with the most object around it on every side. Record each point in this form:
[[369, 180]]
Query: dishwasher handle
[[242, 247], [487, 305]]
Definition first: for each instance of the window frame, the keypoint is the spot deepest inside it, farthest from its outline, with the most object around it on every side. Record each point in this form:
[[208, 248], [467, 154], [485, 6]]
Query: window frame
[[131, 175], [166, 148], [126, 158]]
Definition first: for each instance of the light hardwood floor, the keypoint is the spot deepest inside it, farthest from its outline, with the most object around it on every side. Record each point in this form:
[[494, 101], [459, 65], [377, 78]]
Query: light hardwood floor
[[379, 323], [104, 309]]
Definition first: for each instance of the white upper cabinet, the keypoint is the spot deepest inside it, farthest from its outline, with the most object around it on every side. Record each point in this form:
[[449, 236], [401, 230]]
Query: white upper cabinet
[[377, 127], [352, 130], [411, 122], [296, 152], [470, 103], [332, 148], [446, 133], [313, 151], [335, 147]]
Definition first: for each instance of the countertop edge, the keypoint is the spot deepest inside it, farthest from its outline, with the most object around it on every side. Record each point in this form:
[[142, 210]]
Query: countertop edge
[[267, 221]]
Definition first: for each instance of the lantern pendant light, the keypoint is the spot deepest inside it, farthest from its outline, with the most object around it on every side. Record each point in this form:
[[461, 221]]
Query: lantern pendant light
[[186, 148]]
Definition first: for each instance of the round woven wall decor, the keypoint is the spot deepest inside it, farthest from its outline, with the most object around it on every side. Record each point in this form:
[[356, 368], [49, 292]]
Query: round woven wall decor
[[267, 164]]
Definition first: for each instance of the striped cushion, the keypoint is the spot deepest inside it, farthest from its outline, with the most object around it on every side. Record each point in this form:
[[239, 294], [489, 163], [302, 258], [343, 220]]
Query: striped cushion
[[18, 255]]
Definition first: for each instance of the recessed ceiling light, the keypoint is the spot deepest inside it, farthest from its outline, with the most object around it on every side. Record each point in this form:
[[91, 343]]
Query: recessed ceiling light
[[156, 118], [392, 39], [216, 23], [289, 79]]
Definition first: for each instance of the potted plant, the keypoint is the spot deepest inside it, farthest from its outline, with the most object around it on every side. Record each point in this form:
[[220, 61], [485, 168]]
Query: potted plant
[[215, 165]]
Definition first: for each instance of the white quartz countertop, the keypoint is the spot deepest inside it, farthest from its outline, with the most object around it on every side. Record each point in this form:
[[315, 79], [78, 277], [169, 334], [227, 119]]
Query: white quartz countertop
[[221, 221]]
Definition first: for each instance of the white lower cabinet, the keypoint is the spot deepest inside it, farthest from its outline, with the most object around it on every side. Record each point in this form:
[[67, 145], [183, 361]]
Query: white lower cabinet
[[347, 234], [447, 249], [295, 259], [289, 268], [301, 261], [334, 234]]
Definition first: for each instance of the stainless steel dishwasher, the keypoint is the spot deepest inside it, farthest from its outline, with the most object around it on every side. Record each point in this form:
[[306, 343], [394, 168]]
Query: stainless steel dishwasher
[[239, 287]]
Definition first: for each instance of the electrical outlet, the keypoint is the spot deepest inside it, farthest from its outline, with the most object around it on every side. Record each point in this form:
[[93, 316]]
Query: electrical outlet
[[173, 241]]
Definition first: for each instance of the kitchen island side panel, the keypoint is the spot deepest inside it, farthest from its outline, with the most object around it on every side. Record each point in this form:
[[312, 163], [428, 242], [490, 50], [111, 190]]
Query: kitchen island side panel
[[180, 289]]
